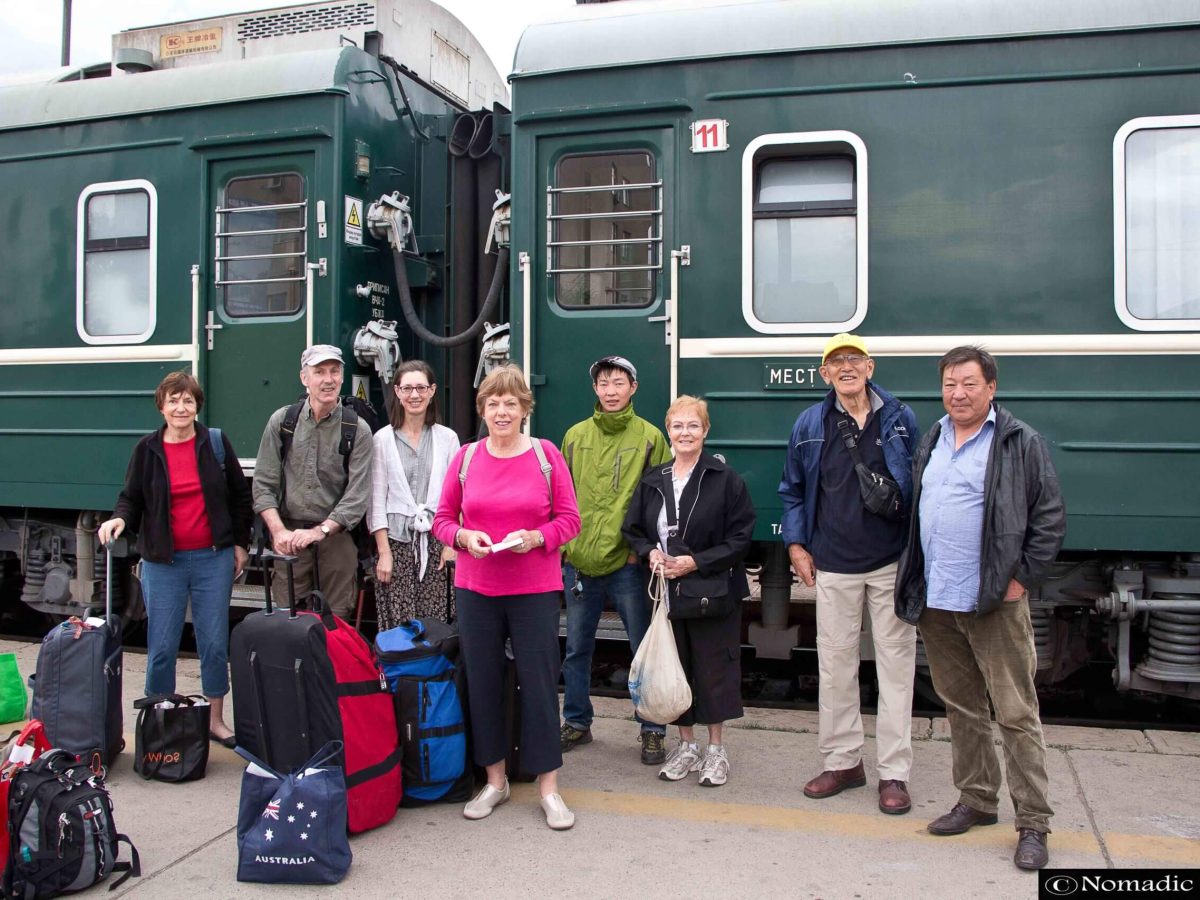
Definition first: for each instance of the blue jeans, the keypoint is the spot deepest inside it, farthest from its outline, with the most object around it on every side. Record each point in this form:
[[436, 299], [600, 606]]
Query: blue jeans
[[207, 576], [625, 589]]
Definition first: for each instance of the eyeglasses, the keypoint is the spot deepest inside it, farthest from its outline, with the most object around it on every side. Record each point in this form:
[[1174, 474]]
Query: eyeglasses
[[693, 427], [853, 359], [406, 390]]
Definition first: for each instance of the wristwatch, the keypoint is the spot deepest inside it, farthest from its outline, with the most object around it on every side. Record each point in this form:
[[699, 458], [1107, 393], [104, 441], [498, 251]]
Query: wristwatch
[[325, 529]]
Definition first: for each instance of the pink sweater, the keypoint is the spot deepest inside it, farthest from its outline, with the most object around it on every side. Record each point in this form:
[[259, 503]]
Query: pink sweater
[[501, 496]]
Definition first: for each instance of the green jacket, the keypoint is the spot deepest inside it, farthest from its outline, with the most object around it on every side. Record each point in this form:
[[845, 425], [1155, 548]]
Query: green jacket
[[607, 455]]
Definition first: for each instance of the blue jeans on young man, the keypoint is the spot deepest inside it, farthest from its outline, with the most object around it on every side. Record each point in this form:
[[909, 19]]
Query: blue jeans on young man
[[624, 588], [207, 577]]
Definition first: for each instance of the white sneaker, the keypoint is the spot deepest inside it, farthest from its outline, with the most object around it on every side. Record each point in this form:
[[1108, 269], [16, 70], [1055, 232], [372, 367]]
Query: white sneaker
[[485, 801], [558, 816], [714, 768], [683, 759]]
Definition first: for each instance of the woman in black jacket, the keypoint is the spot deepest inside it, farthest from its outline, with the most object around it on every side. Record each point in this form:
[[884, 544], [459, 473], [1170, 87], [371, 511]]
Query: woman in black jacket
[[190, 504], [693, 519]]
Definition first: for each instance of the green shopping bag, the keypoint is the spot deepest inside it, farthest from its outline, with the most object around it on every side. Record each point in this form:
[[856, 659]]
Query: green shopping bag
[[13, 699]]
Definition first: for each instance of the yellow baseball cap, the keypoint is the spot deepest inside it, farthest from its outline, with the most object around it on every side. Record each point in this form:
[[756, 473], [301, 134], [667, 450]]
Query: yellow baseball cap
[[844, 340]]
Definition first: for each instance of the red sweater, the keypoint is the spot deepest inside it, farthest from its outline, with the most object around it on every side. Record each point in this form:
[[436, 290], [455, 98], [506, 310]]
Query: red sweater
[[501, 496], [189, 519]]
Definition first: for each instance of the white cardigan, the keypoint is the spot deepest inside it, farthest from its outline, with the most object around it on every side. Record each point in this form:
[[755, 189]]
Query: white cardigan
[[391, 495]]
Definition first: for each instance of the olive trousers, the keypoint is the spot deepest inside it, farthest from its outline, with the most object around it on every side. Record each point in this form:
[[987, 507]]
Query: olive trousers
[[972, 658]]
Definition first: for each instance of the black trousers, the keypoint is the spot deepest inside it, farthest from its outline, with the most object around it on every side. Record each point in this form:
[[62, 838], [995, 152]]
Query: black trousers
[[710, 651], [531, 620]]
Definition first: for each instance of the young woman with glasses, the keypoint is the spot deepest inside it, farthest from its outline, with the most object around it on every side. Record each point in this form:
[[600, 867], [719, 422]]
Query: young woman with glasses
[[411, 459]]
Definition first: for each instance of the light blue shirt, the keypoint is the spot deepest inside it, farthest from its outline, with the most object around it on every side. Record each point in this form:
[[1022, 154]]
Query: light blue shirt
[[951, 514]]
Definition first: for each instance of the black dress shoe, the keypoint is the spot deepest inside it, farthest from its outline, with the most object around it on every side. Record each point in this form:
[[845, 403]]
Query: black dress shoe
[[229, 742], [1032, 852], [960, 820]]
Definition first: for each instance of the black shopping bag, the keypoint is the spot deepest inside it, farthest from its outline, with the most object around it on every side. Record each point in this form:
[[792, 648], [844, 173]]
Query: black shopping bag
[[292, 828], [172, 737]]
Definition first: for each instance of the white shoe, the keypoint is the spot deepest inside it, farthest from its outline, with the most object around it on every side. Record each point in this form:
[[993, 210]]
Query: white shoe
[[558, 816], [714, 768], [485, 801], [683, 759]]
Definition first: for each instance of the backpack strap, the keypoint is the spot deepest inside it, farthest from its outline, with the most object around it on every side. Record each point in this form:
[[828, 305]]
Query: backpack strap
[[287, 430], [668, 491], [349, 433], [466, 462], [538, 450], [217, 442], [547, 470]]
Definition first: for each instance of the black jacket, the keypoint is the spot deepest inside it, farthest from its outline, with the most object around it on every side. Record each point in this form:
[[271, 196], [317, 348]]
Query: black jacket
[[145, 501], [1024, 518], [716, 520]]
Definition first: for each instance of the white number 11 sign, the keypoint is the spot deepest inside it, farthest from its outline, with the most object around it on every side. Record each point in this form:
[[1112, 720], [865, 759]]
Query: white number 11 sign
[[709, 135]]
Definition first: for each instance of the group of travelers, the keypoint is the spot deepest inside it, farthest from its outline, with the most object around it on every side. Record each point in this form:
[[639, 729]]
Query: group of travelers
[[943, 534]]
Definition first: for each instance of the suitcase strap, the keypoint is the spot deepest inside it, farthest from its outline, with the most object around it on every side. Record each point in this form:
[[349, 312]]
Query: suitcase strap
[[389, 762]]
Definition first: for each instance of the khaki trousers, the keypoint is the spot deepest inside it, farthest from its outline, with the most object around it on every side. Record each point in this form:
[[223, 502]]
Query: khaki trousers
[[972, 658], [337, 563], [840, 601]]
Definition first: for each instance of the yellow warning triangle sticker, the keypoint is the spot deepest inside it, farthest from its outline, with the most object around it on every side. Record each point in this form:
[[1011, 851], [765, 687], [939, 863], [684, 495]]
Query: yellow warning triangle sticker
[[361, 393], [352, 218]]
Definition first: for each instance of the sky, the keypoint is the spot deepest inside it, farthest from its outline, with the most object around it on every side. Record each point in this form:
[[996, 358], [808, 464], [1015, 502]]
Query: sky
[[31, 30]]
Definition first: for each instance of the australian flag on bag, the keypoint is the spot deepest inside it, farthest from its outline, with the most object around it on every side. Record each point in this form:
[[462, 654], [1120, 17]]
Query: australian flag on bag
[[292, 828]]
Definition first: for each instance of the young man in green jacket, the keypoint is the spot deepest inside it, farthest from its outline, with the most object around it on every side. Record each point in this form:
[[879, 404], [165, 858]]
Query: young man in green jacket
[[607, 455]]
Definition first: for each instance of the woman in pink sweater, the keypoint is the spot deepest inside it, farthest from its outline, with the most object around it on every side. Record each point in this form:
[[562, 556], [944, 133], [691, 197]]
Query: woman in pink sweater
[[510, 508]]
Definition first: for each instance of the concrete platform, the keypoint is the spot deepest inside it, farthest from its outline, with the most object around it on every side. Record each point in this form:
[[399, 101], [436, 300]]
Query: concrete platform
[[1122, 799]]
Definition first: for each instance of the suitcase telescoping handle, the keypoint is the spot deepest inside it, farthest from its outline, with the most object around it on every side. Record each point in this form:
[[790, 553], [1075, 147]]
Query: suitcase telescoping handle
[[267, 558], [116, 547]]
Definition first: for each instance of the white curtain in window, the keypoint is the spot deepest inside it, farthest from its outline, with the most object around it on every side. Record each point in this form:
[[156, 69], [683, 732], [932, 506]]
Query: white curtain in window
[[1162, 223]]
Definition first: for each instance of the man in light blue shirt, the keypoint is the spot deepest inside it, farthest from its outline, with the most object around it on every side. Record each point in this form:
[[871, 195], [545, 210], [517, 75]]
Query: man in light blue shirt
[[951, 508], [989, 523]]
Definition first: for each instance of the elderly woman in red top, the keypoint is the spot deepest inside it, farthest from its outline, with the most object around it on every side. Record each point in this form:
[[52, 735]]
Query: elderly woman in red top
[[509, 502], [190, 503]]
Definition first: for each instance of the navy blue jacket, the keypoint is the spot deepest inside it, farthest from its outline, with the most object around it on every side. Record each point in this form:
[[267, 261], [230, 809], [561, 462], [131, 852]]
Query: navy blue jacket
[[802, 467]]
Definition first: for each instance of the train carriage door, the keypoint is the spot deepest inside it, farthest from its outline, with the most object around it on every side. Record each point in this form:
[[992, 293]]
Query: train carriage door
[[257, 315], [600, 287]]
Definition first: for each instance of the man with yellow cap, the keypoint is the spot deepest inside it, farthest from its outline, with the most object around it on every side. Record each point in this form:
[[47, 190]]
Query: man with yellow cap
[[846, 491]]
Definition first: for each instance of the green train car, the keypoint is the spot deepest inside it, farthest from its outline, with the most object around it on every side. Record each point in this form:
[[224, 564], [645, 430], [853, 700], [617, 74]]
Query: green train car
[[709, 188], [713, 189], [223, 195]]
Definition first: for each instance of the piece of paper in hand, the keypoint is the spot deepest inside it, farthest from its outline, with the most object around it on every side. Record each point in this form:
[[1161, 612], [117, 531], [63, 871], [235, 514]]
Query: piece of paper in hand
[[505, 545]]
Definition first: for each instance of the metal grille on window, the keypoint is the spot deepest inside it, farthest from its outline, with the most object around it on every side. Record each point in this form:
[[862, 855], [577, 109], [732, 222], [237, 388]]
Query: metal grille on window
[[262, 245], [604, 220]]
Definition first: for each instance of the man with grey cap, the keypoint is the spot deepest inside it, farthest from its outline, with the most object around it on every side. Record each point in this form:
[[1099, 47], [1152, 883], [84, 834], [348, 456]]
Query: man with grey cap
[[607, 455], [312, 482]]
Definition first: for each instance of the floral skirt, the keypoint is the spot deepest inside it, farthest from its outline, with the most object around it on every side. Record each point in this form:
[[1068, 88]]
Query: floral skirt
[[406, 596]]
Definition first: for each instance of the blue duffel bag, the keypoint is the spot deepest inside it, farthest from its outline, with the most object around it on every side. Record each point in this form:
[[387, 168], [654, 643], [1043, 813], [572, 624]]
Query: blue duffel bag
[[420, 661]]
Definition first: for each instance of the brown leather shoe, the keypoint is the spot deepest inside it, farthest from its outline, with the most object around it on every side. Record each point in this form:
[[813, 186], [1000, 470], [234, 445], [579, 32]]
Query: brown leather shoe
[[1032, 852], [893, 798], [960, 820], [834, 781]]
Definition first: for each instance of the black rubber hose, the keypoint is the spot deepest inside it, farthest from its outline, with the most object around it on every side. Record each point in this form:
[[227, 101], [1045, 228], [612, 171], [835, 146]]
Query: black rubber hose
[[414, 322]]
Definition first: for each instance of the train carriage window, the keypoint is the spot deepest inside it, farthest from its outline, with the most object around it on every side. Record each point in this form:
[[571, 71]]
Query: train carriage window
[[804, 232], [262, 245], [1157, 224], [604, 230], [115, 273]]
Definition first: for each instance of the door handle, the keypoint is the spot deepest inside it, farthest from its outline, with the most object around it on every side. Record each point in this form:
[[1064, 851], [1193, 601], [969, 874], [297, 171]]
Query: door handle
[[210, 327]]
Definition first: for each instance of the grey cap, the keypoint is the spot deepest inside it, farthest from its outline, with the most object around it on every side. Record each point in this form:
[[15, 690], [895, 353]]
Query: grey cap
[[319, 353], [613, 362]]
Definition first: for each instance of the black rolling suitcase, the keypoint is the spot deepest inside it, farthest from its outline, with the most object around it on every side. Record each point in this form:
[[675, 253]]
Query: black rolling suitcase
[[285, 703], [302, 679], [77, 688], [512, 718]]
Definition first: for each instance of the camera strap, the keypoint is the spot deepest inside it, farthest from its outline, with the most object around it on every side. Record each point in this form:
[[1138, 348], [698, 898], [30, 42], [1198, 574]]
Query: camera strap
[[668, 491]]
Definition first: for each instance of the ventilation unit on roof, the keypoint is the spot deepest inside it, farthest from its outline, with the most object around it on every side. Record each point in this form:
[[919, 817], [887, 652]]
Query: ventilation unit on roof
[[305, 20]]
